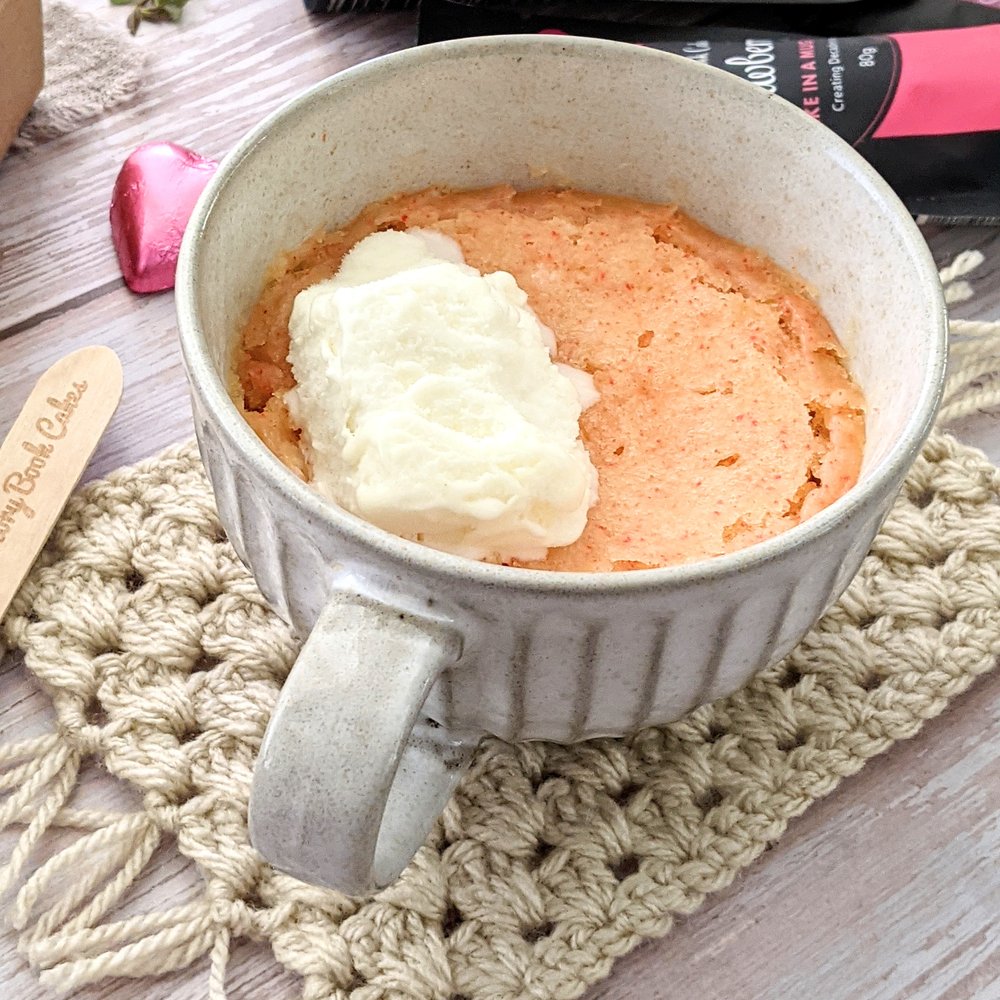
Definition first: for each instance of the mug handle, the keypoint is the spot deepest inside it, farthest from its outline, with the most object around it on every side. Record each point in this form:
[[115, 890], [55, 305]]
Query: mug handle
[[348, 784]]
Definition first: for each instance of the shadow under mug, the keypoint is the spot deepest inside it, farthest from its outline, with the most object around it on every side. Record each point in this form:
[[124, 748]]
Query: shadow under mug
[[412, 654]]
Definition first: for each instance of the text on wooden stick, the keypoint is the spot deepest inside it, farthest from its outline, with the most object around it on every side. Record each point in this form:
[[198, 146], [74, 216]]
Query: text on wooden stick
[[18, 484]]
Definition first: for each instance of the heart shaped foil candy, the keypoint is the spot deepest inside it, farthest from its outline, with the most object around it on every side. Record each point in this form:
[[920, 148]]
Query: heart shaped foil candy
[[154, 195]]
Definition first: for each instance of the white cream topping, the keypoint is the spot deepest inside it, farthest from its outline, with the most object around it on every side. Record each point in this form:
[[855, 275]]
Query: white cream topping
[[430, 405]]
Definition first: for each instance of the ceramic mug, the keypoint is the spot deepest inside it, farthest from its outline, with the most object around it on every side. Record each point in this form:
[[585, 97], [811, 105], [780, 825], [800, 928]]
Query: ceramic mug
[[413, 654]]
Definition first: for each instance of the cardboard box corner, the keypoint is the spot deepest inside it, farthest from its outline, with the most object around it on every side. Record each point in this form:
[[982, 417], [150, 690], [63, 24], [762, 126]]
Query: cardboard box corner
[[23, 64]]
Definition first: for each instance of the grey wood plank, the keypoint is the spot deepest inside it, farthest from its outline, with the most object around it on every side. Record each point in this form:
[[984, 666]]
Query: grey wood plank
[[207, 84]]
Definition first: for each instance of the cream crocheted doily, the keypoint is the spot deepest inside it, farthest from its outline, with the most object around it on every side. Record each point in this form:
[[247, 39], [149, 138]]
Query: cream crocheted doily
[[163, 661]]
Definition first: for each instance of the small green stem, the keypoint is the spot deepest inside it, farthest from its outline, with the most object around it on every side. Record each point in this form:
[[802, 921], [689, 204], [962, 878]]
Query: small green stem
[[151, 10]]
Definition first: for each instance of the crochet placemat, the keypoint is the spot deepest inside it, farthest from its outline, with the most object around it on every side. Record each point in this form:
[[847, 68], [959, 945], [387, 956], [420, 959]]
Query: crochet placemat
[[163, 661]]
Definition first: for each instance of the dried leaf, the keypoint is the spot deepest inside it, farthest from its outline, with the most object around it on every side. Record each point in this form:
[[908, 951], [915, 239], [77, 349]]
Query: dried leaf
[[151, 10]]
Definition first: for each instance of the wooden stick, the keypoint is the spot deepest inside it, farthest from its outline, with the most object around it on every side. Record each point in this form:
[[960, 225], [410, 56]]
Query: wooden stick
[[46, 451]]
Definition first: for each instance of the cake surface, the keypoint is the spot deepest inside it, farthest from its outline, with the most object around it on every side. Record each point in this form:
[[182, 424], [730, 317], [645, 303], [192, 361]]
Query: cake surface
[[726, 411]]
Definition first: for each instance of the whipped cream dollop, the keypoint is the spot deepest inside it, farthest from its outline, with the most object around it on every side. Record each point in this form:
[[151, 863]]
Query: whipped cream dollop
[[430, 404]]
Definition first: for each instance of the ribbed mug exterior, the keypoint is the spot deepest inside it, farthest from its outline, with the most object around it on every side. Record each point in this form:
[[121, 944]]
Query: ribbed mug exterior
[[554, 665], [564, 656]]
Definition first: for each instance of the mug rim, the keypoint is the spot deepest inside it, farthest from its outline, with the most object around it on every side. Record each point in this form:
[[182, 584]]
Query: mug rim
[[206, 382]]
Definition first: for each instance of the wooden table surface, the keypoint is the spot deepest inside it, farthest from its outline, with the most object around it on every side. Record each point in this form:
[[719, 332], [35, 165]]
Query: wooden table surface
[[887, 890]]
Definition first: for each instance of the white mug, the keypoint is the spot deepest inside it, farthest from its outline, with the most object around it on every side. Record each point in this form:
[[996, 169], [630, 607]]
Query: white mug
[[413, 654]]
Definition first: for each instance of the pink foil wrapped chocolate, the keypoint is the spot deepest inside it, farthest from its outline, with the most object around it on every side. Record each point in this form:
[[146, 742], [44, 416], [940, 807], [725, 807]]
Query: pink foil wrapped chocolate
[[153, 198]]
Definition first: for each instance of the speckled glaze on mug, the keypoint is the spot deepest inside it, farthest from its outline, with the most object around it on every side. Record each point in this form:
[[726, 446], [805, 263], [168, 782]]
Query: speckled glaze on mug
[[413, 654]]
